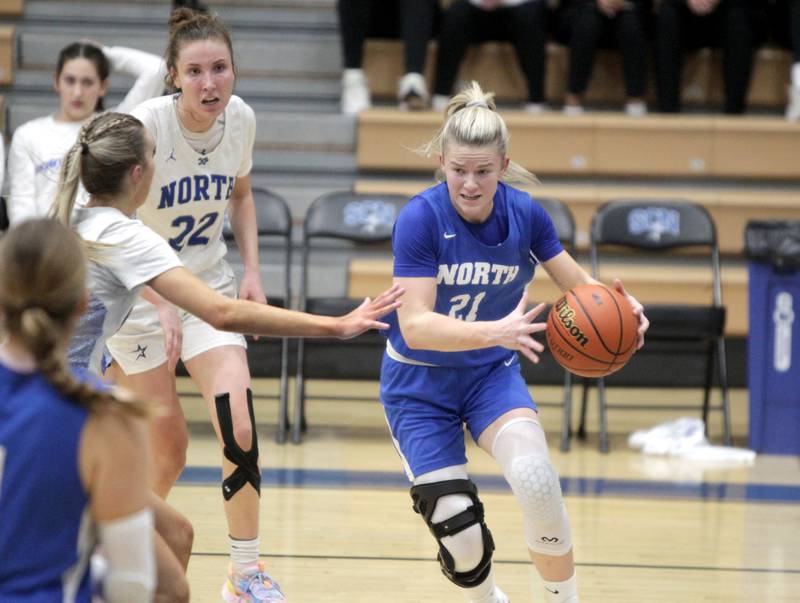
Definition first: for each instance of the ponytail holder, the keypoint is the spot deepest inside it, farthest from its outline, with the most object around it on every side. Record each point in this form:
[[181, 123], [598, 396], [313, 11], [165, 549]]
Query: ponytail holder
[[84, 148], [477, 103]]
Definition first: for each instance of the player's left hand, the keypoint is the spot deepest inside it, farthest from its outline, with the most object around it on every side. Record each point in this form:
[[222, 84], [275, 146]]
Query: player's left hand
[[251, 289], [366, 316], [638, 310]]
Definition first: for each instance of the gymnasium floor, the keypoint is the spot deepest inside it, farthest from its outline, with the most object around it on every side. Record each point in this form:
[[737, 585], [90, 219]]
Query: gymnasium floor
[[337, 523]]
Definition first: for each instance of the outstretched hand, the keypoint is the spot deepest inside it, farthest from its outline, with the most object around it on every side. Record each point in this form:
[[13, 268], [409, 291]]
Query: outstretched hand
[[638, 310], [515, 330], [366, 316]]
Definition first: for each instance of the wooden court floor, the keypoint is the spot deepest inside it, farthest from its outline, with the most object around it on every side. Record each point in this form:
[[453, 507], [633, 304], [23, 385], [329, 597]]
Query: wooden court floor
[[337, 523]]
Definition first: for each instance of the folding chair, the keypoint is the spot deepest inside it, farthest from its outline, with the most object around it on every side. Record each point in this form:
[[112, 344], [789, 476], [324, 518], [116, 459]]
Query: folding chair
[[656, 228], [565, 228], [362, 220], [274, 223]]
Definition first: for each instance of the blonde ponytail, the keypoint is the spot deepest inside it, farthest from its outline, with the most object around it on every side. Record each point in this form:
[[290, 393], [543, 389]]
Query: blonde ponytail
[[471, 119], [108, 146]]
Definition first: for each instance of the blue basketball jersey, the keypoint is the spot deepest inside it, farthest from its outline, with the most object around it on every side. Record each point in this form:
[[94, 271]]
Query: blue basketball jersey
[[474, 280], [46, 534]]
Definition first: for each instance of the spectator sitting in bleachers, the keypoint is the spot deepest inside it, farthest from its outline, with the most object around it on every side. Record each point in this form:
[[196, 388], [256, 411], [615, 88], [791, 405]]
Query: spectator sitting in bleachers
[[81, 80], [583, 25], [413, 20], [733, 25], [784, 16], [465, 22]]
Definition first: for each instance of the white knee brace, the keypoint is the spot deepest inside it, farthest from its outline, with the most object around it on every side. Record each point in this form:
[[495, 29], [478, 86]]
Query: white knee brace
[[521, 451]]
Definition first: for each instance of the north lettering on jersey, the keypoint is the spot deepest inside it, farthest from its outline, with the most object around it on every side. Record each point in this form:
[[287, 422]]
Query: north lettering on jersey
[[476, 273], [199, 187]]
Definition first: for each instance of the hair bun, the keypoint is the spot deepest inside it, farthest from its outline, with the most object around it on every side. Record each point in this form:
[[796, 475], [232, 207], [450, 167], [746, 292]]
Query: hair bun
[[180, 17]]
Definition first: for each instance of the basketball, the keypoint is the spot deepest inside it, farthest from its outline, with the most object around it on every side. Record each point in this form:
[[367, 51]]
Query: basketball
[[591, 331]]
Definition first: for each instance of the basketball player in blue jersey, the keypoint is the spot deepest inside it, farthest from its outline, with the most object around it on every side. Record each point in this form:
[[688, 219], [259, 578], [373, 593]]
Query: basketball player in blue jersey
[[465, 252], [73, 462]]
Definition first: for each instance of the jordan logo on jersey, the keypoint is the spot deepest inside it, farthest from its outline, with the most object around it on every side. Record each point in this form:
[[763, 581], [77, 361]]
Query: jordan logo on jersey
[[202, 160], [200, 187], [476, 273]]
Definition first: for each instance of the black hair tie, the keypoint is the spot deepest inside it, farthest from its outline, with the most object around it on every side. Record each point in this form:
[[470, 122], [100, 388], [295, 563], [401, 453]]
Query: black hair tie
[[84, 148]]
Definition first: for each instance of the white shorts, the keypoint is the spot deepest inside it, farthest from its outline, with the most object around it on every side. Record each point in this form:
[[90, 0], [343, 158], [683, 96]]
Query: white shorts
[[139, 345]]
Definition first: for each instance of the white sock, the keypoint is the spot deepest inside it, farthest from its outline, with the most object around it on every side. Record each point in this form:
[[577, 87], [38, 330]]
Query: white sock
[[244, 554], [562, 592], [796, 75]]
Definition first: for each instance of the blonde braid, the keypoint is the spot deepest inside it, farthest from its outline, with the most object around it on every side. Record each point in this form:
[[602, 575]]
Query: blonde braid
[[42, 284]]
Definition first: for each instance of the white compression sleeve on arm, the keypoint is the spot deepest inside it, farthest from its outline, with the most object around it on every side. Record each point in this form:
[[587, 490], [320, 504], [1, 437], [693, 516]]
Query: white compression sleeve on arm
[[130, 552]]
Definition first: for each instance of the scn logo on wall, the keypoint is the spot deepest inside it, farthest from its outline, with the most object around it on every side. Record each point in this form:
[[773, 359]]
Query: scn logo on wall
[[654, 222], [370, 216]]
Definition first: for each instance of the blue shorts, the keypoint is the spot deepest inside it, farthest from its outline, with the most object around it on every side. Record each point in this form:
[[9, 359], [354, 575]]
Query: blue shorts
[[426, 407]]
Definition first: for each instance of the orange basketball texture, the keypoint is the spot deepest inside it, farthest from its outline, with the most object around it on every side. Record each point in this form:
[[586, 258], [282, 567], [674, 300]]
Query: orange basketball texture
[[591, 331]]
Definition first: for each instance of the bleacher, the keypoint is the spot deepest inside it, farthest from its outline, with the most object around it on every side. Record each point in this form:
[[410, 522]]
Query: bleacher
[[288, 59]]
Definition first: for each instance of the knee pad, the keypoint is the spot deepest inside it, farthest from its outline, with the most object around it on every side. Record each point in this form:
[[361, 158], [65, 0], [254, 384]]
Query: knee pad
[[247, 469], [521, 451], [459, 530]]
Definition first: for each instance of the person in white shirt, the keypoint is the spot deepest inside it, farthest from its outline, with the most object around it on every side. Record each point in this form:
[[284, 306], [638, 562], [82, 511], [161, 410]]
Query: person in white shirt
[[204, 143], [81, 80], [115, 159]]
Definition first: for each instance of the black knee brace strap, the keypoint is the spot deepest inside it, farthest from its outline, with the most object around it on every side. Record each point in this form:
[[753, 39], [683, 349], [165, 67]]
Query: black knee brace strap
[[425, 497], [247, 470]]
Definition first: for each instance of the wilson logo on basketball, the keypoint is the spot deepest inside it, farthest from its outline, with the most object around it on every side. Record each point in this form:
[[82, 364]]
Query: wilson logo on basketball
[[566, 316]]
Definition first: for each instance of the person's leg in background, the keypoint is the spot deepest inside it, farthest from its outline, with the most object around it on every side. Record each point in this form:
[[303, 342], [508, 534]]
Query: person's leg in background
[[669, 53], [739, 21], [526, 25], [417, 18], [631, 25], [460, 27], [354, 19], [579, 26]]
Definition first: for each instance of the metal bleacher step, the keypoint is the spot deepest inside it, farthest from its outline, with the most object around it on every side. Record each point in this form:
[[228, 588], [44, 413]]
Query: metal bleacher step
[[262, 17], [268, 54], [288, 60], [293, 93]]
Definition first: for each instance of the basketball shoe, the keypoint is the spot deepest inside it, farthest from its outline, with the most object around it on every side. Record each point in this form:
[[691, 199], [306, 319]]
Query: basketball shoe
[[251, 587]]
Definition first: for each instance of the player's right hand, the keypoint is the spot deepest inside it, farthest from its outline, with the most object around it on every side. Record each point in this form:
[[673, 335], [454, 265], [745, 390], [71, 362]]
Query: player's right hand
[[515, 330]]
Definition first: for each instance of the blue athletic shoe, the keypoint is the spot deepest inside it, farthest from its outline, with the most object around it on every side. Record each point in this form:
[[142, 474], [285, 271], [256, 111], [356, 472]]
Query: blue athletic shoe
[[255, 587]]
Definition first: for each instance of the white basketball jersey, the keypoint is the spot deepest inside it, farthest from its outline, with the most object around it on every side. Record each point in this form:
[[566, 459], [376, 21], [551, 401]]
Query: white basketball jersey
[[190, 191], [134, 256]]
